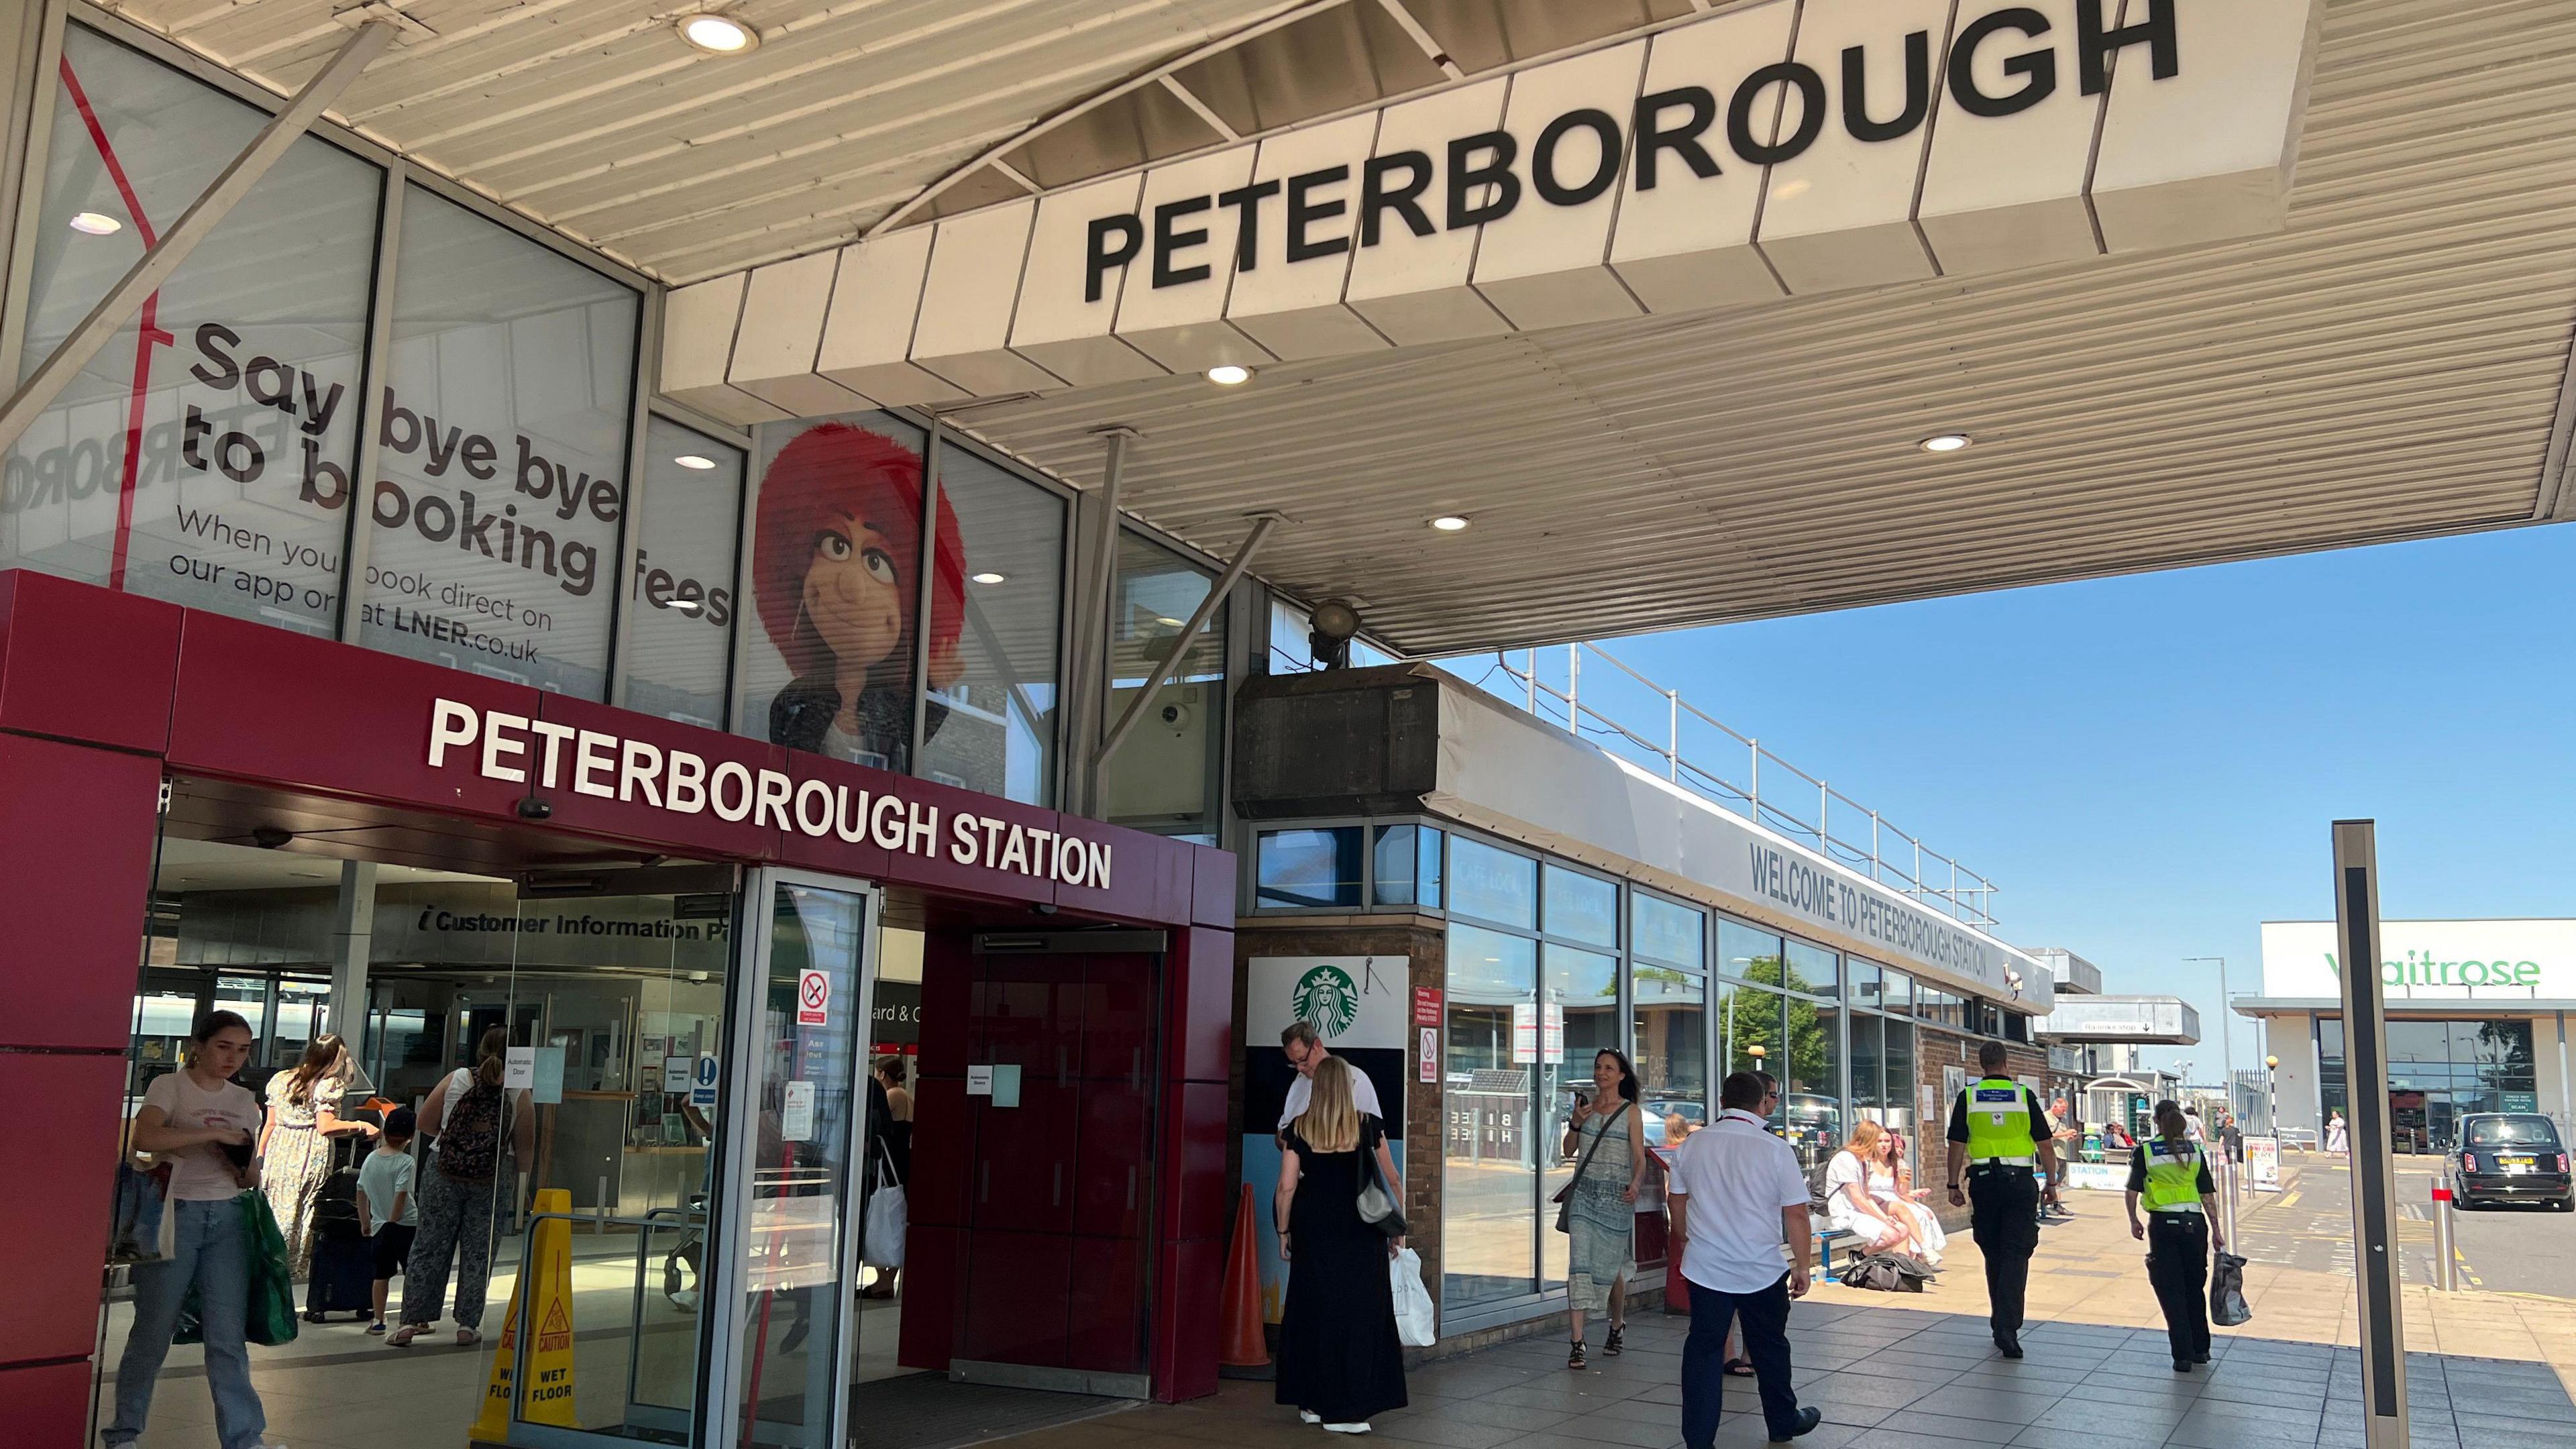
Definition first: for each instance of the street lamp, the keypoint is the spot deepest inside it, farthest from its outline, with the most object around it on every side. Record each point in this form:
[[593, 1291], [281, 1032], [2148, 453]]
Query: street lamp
[[2272, 1096]]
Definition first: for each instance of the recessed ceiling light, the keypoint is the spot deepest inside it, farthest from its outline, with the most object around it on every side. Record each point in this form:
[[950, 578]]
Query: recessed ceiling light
[[1229, 375], [1945, 442], [693, 461], [719, 34], [1449, 523], [96, 223], [989, 577]]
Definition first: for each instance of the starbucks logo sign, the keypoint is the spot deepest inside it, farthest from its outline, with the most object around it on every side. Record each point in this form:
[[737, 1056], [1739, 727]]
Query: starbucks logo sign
[[1326, 997]]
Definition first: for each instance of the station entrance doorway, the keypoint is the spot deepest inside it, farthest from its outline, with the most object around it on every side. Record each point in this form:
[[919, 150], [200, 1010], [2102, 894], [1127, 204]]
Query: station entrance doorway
[[665, 1250]]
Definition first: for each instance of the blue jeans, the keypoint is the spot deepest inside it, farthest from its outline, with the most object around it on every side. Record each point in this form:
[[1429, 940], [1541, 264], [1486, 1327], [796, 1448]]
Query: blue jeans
[[211, 1256]]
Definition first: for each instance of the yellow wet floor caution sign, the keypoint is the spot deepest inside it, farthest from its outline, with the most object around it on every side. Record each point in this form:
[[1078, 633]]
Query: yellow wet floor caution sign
[[550, 1396]]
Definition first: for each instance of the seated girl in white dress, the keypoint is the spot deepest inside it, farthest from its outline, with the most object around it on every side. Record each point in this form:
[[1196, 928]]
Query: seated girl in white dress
[[1851, 1206], [1891, 1184]]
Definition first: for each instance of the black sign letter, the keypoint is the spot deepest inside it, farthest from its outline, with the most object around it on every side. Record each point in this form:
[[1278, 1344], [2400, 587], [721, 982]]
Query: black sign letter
[[1405, 199], [1495, 171], [2096, 43], [1918, 91], [1103, 254], [1653, 139], [1811, 112], [1543, 157], [1304, 212], [2039, 67], [1167, 241], [1246, 201]]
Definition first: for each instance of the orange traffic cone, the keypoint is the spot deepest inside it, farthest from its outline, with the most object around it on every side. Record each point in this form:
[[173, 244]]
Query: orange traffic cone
[[1242, 1345]]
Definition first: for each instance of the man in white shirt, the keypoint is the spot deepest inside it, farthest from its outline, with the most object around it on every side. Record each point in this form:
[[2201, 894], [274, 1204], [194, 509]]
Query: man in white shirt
[[1304, 1050], [1737, 1195]]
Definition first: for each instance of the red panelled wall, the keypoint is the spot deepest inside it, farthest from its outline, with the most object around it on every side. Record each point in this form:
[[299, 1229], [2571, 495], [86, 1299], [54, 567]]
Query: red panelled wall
[[100, 692]]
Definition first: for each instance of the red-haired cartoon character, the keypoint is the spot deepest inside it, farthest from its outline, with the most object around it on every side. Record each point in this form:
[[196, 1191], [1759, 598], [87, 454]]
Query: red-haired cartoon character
[[835, 546]]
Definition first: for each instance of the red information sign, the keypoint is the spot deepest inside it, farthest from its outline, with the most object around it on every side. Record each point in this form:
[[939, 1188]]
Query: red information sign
[[1426, 1006]]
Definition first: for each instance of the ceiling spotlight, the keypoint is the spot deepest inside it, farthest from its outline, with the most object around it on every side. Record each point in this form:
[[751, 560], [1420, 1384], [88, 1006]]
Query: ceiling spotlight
[[719, 34], [1945, 442], [1229, 374], [989, 577], [1449, 523], [96, 223], [694, 463]]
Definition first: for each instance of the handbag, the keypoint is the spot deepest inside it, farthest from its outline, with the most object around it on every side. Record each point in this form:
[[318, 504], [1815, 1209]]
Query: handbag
[[1564, 1198], [2227, 1306], [1377, 1206], [883, 1241], [1416, 1323]]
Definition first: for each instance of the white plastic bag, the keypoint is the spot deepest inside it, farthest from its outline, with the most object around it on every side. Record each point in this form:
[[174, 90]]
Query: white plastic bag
[[1414, 1323], [882, 1246]]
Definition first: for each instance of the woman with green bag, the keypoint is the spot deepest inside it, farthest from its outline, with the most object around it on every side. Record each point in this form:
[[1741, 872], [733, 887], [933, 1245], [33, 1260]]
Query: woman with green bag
[[203, 1126]]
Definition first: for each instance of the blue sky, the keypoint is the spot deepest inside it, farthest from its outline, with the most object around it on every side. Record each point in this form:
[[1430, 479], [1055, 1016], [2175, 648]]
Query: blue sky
[[2147, 766]]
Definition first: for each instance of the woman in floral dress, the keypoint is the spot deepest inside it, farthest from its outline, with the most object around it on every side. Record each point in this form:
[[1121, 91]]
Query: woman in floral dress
[[295, 1150]]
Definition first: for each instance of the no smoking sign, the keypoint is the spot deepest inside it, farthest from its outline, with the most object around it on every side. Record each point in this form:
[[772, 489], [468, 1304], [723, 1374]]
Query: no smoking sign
[[813, 999]]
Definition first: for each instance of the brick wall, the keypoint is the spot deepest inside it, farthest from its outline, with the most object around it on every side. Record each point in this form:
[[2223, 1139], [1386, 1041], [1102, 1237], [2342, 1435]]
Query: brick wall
[[1935, 1050]]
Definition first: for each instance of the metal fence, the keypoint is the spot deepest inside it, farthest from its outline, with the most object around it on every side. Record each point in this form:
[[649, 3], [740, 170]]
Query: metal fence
[[1770, 790]]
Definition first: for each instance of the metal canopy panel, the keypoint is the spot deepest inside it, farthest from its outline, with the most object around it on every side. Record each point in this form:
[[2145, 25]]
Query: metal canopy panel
[[2119, 1021], [2389, 366]]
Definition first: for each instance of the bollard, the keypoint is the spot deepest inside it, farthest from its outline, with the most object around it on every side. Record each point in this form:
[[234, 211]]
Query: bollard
[[2447, 1275]]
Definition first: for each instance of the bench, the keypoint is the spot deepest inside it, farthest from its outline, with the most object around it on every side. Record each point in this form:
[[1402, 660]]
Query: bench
[[1826, 1238]]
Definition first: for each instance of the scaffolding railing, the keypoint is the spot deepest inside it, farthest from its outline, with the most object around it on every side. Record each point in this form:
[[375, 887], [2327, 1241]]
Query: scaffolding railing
[[1772, 791]]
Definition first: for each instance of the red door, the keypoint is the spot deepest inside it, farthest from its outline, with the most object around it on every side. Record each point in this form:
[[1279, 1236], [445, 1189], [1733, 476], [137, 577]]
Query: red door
[[1059, 1190]]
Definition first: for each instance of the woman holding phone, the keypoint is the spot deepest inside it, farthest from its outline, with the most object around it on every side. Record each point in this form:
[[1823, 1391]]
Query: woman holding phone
[[203, 1125], [1606, 1137]]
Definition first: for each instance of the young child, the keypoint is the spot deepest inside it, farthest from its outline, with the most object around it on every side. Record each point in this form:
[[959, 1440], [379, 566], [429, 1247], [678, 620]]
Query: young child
[[388, 1203]]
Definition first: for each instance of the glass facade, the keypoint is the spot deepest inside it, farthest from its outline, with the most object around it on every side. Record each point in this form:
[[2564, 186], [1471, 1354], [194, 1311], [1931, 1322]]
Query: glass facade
[[2438, 1072], [527, 517]]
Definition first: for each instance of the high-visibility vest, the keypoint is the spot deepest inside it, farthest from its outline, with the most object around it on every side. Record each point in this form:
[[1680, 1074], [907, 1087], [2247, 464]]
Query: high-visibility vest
[[2173, 1175], [1999, 1124]]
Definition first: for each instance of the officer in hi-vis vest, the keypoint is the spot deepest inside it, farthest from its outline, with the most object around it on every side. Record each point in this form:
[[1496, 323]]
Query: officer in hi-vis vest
[[1998, 1131], [2182, 1204]]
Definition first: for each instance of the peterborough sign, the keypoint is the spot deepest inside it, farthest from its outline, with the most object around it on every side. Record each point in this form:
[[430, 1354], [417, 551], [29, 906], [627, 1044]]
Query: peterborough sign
[[1765, 151]]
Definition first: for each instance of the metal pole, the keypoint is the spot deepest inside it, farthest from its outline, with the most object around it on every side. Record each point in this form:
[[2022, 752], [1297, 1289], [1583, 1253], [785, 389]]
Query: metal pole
[[1873, 845], [1573, 687], [1673, 734], [1093, 604], [2446, 1274], [1533, 679], [1171, 664], [925, 595], [1824, 812], [2374, 1169], [193, 226], [1753, 791]]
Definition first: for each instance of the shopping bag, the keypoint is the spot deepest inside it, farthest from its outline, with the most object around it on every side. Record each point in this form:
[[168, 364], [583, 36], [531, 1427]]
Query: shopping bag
[[2227, 1292], [1415, 1324], [272, 1285], [881, 1246]]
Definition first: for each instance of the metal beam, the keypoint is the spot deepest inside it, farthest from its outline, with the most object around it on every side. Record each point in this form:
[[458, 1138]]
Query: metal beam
[[193, 226], [925, 595], [1163, 672], [1093, 600], [2382, 1319]]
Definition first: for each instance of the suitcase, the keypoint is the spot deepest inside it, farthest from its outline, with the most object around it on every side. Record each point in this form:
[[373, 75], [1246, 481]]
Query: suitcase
[[344, 1277]]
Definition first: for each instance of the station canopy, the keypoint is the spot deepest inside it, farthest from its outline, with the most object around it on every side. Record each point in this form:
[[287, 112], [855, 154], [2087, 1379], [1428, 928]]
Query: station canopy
[[2296, 274]]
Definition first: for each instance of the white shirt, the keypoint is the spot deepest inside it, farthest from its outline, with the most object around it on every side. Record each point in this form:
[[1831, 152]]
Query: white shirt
[[1845, 1171], [202, 1173], [1738, 1177], [1302, 1091]]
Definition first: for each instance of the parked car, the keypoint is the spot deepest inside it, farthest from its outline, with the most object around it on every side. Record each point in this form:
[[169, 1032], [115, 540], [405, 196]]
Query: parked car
[[2511, 1157]]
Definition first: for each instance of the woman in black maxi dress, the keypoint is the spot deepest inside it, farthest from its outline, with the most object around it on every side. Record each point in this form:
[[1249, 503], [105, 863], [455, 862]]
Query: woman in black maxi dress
[[1339, 1357]]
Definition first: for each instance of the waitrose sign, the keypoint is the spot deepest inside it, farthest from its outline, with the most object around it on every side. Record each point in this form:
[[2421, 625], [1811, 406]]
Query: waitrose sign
[[2428, 959]]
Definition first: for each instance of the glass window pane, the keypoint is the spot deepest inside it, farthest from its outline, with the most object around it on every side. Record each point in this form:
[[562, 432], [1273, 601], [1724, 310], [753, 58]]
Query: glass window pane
[[1813, 969], [503, 494], [1896, 990], [1308, 868], [1670, 1032], [991, 720], [1813, 1078], [1581, 908], [1750, 1017], [1491, 884], [1164, 776], [835, 569], [1578, 1018], [1864, 980], [1490, 1193], [1902, 1094], [1666, 932], [1289, 653], [240, 377], [682, 593], [1398, 858], [1868, 1091], [1748, 954], [1428, 863]]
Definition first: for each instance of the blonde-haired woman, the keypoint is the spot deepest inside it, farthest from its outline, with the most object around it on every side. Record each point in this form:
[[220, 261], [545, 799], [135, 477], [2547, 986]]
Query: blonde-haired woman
[[1340, 1363], [1848, 1201], [1891, 1182]]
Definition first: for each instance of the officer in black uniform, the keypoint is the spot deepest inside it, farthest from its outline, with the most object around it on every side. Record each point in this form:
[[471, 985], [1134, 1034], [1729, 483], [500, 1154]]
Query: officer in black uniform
[[1998, 1132]]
